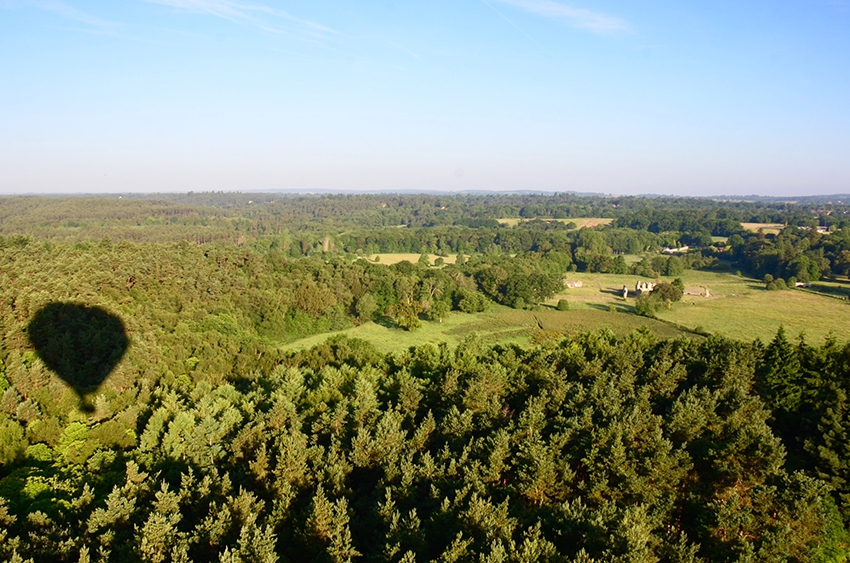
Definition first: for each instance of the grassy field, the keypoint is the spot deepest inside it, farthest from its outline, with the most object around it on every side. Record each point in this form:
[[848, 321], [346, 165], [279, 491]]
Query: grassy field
[[579, 221], [499, 324], [768, 228], [394, 258], [735, 306]]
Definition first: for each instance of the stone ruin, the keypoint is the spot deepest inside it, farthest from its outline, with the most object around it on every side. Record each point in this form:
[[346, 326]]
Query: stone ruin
[[641, 287]]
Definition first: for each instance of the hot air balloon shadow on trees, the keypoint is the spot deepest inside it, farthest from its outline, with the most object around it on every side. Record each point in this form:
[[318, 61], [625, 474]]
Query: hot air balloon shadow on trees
[[81, 344]]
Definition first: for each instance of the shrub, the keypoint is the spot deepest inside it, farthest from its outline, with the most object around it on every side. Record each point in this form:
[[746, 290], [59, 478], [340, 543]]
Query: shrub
[[668, 292], [674, 266], [470, 301], [563, 305], [647, 304]]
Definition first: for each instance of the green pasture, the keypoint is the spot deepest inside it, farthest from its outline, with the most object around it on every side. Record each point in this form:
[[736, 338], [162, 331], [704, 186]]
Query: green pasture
[[737, 307], [386, 337], [499, 324], [631, 258]]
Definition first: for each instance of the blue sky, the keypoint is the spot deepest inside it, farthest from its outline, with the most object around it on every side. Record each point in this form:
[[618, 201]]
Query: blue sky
[[646, 96]]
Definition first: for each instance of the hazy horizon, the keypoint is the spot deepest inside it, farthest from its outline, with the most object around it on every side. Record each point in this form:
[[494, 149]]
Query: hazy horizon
[[608, 97], [436, 192]]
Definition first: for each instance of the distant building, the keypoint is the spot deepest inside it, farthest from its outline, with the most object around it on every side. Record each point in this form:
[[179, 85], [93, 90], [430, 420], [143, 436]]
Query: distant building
[[822, 230]]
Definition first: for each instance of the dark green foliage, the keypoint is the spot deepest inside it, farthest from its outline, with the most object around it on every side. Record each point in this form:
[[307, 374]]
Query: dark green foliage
[[674, 266], [592, 447], [669, 292], [663, 295], [563, 305], [80, 344], [469, 301], [515, 282], [647, 304], [803, 254]]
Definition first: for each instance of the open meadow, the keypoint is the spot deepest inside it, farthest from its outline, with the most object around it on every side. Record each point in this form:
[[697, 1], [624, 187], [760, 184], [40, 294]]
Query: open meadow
[[499, 324], [390, 258], [766, 228], [736, 307], [579, 221]]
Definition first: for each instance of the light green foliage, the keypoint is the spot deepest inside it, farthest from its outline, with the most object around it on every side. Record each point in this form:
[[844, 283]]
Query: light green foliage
[[366, 307], [13, 443], [496, 452]]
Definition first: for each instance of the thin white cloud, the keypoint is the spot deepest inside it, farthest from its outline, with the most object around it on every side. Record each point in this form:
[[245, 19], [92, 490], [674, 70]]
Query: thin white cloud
[[518, 28], [585, 19], [256, 15], [64, 10]]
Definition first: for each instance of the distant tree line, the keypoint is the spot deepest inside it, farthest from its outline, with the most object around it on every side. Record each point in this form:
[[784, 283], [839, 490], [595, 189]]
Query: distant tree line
[[239, 218]]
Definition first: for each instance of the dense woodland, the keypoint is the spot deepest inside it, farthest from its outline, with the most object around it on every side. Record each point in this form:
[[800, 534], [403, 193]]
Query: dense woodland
[[208, 442]]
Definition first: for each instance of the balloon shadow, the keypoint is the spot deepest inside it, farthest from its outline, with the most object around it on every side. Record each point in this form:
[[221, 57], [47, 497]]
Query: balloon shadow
[[81, 344]]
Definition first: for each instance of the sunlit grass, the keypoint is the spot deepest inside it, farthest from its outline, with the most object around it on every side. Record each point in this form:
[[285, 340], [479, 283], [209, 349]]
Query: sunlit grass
[[499, 324], [579, 221], [390, 258], [766, 228], [737, 307]]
